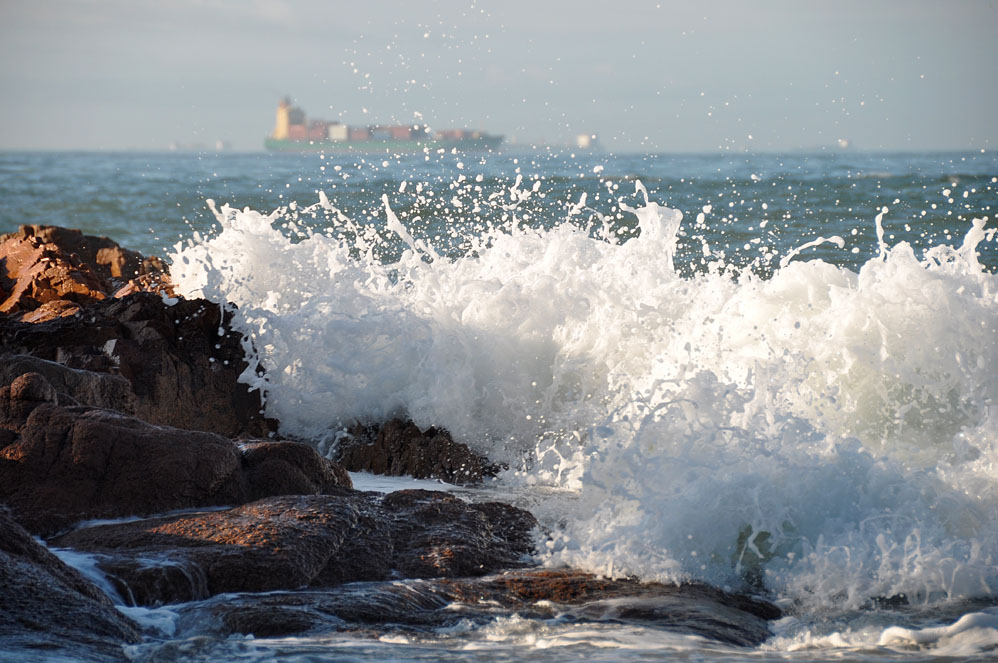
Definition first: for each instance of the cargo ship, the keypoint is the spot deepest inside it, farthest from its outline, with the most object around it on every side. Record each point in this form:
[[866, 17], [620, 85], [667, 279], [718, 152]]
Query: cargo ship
[[294, 133]]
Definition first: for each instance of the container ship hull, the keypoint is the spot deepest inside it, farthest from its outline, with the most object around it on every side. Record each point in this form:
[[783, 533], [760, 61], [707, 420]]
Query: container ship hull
[[482, 143]]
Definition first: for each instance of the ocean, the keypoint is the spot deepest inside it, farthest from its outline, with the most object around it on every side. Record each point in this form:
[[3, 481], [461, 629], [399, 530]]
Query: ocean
[[774, 373]]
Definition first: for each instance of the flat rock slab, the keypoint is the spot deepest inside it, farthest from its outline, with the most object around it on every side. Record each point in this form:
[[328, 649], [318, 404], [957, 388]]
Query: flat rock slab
[[307, 541], [425, 605]]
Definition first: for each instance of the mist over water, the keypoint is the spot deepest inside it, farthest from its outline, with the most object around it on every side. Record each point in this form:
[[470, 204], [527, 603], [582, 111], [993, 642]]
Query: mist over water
[[774, 374]]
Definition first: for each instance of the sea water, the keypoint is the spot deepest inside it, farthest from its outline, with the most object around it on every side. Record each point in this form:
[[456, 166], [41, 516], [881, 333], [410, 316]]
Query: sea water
[[771, 373]]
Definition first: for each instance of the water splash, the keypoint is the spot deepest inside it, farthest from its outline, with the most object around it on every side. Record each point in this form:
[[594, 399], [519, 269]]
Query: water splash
[[825, 433]]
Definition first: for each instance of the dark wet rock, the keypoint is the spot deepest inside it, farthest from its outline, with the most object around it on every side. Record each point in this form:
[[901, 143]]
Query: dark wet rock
[[400, 448], [60, 465], [48, 272], [268, 621], [72, 385], [538, 594], [289, 468], [306, 541], [21, 396], [77, 463], [181, 362], [49, 609], [439, 535], [690, 608], [278, 543]]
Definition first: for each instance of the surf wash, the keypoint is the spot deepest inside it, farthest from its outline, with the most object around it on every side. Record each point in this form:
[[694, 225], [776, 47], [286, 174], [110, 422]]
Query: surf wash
[[812, 406]]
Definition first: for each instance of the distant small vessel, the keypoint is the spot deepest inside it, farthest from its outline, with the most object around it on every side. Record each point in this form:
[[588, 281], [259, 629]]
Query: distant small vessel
[[292, 134]]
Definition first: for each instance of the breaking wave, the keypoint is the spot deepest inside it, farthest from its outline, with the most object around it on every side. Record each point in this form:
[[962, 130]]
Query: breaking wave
[[827, 434]]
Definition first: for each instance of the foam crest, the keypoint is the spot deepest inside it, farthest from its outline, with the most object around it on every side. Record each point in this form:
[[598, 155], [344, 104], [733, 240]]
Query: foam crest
[[823, 432]]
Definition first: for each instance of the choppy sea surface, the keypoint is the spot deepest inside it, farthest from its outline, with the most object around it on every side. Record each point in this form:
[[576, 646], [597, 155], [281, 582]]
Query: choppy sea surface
[[770, 373]]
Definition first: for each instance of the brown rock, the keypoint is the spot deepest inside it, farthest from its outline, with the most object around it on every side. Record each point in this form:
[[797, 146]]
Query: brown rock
[[572, 587], [400, 448], [278, 543], [437, 535], [48, 271], [289, 468], [73, 386], [35, 273], [107, 258], [49, 609], [693, 608], [317, 541], [183, 361], [543, 594], [76, 463], [56, 308], [59, 465], [21, 397], [181, 364]]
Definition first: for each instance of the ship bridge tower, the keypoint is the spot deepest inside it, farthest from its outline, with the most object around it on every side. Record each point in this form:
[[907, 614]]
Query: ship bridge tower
[[283, 119]]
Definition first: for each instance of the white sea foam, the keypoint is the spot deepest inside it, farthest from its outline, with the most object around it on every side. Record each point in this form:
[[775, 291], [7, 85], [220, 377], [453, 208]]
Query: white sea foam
[[974, 634], [829, 433]]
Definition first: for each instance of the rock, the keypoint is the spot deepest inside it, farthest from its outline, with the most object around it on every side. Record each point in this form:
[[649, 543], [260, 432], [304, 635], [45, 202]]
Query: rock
[[48, 609], [48, 271], [400, 448], [32, 387], [72, 386], [306, 541], [437, 535], [60, 465], [693, 608], [565, 595], [77, 463], [181, 363], [21, 397], [278, 543], [289, 468], [87, 303]]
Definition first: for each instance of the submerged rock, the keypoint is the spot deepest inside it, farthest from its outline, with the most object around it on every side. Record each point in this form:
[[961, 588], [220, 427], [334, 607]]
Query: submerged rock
[[60, 465], [49, 609], [689, 608], [400, 448], [564, 594], [307, 541]]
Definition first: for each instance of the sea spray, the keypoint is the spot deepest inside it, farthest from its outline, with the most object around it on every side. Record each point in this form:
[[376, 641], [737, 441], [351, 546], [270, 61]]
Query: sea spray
[[824, 433]]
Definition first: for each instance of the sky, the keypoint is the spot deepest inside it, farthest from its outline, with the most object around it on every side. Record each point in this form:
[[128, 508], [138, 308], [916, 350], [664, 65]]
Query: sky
[[644, 75]]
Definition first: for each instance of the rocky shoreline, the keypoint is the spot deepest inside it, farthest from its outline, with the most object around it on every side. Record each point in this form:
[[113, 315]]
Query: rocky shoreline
[[120, 401]]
